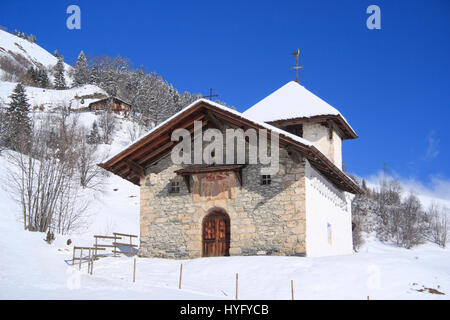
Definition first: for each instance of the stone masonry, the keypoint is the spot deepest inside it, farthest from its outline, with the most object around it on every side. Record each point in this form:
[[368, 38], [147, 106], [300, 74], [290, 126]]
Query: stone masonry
[[264, 219]]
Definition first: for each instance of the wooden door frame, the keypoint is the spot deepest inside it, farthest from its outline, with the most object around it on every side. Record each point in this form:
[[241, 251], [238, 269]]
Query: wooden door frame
[[220, 213]]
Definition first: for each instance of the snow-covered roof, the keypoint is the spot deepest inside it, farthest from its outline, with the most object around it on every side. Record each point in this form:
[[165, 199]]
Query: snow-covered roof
[[162, 124], [115, 162], [291, 101]]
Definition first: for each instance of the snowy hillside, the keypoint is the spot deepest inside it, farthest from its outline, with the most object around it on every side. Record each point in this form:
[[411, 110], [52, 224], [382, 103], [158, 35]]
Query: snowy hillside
[[27, 54], [45, 99]]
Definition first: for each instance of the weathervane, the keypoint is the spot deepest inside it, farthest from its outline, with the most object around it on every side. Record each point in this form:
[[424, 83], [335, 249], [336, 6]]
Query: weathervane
[[296, 54]]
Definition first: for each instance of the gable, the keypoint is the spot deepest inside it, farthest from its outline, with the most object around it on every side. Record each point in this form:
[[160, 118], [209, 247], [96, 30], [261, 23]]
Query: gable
[[131, 162]]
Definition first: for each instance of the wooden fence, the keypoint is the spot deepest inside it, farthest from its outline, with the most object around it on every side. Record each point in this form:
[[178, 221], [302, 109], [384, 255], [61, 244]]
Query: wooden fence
[[90, 258], [93, 251], [115, 245]]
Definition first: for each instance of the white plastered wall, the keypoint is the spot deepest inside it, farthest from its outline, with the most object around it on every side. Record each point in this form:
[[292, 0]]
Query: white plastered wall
[[325, 204], [319, 135]]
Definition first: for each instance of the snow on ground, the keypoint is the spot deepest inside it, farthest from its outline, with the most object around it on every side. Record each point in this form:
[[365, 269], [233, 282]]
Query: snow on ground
[[75, 98], [32, 269]]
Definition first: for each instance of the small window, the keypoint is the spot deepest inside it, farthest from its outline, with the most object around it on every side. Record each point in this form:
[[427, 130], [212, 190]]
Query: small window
[[174, 187], [296, 129], [265, 179]]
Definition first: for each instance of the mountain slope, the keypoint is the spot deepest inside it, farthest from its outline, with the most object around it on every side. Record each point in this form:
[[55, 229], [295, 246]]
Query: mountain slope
[[25, 54]]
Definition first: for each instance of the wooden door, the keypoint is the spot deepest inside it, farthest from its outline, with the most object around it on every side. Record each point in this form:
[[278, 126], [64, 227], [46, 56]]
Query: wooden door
[[216, 235]]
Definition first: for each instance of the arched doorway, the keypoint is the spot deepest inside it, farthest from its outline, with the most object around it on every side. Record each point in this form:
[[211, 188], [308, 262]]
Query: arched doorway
[[216, 234]]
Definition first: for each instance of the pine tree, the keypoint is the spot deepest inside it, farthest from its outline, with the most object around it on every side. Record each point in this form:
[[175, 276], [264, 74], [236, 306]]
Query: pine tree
[[81, 70], [364, 185], [32, 76], [43, 80], [32, 38], [94, 77], [18, 122], [56, 54], [2, 127], [60, 80], [94, 135]]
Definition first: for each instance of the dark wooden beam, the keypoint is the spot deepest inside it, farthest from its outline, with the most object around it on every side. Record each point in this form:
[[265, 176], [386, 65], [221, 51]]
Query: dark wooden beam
[[295, 155], [330, 129], [136, 168], [160, 149], [187, 181], [163, 138], [211, 117], [238, 174], [173, 122]]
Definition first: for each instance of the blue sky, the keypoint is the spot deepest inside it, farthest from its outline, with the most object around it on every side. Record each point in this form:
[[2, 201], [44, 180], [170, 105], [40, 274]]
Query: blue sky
[[392, 84]]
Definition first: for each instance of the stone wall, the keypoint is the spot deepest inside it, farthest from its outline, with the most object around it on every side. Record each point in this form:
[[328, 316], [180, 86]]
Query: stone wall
[[264, 219]]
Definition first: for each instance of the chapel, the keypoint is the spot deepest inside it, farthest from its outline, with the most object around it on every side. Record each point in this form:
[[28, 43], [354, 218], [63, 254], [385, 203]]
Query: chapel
[[191, 210]]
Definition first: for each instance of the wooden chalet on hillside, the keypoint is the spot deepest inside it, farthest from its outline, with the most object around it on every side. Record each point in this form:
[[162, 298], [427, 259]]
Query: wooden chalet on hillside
[[113, 103]]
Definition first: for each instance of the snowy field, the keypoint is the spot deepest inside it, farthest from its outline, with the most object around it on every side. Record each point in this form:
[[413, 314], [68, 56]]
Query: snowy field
[[32, 269]]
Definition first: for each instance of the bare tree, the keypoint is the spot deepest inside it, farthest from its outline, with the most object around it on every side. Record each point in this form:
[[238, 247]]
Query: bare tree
[[90, 174], [107, 124], [388, 201], [359, 213], [41, 176], [135, 130], [437, 217], [411, 223]]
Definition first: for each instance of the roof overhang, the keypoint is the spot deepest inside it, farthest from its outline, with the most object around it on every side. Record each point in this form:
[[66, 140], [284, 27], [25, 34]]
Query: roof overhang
[[131, 162], [348, 132]]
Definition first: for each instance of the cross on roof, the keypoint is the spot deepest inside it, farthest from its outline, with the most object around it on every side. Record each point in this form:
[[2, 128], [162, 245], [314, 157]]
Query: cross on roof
[[211, 95], [296, 54]]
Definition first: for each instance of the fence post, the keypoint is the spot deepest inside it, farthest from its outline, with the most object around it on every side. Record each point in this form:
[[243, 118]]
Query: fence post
[[92, 266], [115, 245], [131, 246], [89, 262], [292, 289], [181, 275], [237, 285], [81, 256], [134, 271], [96, 246], [73, 256]]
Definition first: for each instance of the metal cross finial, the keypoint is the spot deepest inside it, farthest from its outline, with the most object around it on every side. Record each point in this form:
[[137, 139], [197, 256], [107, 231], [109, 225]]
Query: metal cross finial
[[296, 54], [211, 95]]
